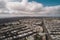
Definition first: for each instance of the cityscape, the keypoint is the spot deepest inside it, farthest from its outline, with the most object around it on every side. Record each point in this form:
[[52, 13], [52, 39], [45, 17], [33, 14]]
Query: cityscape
[[30, 28], [29, 19]]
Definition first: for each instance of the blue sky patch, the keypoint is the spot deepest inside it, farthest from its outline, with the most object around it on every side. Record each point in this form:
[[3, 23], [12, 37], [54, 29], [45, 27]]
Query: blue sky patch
[[48, 2]]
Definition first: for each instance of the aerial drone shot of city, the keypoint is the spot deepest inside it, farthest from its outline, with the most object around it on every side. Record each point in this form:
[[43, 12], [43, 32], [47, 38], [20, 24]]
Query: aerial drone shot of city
[[29, 19]]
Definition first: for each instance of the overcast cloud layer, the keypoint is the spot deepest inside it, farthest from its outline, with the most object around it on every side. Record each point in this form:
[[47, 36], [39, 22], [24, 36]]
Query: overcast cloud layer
[[28, 8]]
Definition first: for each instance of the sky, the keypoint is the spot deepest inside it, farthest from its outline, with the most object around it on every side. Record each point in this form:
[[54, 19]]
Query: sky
[[48, 2], [30, 7]]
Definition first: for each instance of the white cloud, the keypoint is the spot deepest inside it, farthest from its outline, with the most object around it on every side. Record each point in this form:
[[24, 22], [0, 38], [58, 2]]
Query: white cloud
[[2, 4], [30, 7], [52, 9], [24, 6]]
